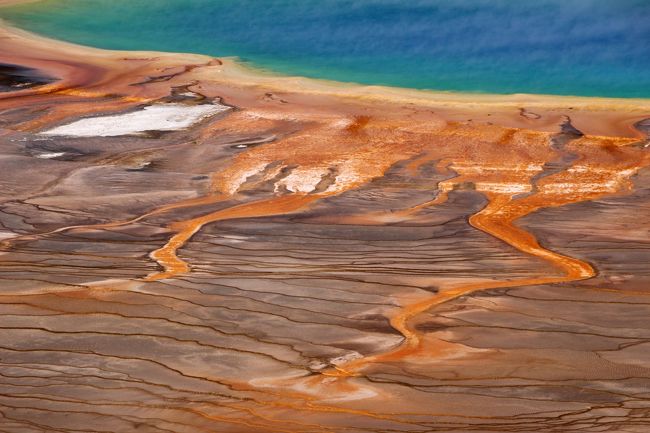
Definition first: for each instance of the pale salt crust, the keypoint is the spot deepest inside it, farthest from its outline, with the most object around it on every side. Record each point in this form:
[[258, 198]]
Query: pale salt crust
[[615, 183], [343, 180], [50, 155], [496, 187], [464, 168], [302, 180], [503, 188], [236, 181], [7, 235], [161, 117]]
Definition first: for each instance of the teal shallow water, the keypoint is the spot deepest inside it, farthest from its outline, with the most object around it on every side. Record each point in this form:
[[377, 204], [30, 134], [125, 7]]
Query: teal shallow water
[[566, 47]]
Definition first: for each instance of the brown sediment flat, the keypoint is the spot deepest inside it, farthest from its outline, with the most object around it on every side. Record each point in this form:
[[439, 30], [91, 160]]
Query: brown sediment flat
[[320, 257]]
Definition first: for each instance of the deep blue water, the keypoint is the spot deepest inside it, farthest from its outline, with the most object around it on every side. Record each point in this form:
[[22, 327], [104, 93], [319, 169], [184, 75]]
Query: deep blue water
[[571, 47]]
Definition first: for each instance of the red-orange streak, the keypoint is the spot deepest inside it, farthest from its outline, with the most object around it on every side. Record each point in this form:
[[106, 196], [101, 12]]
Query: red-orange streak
[[496, 219], [167, 255]]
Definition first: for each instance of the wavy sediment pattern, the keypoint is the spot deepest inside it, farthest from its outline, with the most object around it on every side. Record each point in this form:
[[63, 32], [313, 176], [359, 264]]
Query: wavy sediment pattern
[[277, 260]]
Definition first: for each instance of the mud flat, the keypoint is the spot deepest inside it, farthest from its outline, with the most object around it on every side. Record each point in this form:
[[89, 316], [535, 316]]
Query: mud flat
[[304, 256]]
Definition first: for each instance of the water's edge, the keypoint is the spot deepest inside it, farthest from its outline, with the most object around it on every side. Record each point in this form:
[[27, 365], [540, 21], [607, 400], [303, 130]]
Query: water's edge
[[266, 71]]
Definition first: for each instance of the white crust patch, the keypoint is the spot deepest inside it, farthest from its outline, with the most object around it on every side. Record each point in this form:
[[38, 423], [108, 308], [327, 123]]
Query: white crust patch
[[160, 117]]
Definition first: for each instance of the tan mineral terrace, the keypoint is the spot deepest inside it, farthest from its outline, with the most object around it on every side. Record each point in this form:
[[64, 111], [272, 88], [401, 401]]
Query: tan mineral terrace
[[192, 245]]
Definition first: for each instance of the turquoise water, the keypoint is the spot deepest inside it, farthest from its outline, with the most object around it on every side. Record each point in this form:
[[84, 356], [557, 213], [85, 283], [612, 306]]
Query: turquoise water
[[569, 47]]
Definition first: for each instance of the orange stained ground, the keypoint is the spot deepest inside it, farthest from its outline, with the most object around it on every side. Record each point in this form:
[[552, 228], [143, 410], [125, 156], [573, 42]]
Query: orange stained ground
[[324, 151]]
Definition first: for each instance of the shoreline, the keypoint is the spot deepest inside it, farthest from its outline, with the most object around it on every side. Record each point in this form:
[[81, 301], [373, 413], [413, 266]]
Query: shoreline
[[261, 75], [235, 71], [82, 68]]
